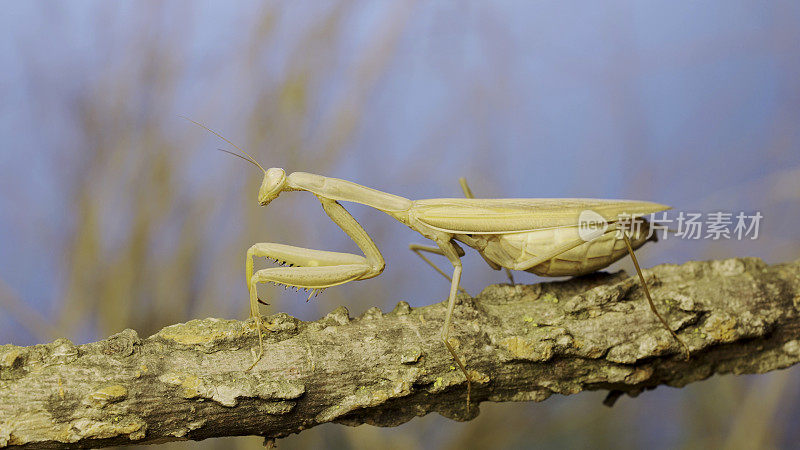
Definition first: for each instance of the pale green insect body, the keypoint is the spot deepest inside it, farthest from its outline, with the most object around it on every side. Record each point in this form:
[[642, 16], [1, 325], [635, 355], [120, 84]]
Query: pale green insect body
[[543, 236]]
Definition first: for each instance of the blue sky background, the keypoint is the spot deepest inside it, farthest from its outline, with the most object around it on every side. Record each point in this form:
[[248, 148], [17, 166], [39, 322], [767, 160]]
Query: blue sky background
[[691, 104]]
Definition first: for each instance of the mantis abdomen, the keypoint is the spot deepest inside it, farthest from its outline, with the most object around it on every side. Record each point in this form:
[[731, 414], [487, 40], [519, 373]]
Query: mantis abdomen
[[577, 257]]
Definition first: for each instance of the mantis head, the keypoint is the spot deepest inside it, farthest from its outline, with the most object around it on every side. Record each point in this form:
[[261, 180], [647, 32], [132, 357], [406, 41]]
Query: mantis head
[[274, 179], [273, 184]]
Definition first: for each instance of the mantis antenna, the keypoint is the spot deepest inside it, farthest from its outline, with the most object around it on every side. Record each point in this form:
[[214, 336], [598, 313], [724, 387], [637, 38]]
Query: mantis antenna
[[246, 157], [239, 156]]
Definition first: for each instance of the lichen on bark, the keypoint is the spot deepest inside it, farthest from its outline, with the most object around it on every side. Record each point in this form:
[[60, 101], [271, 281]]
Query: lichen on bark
[[520, 343]]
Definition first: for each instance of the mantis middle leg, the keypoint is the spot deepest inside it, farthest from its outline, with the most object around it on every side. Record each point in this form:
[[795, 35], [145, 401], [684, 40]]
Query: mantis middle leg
[[418, 249], [449, 250]]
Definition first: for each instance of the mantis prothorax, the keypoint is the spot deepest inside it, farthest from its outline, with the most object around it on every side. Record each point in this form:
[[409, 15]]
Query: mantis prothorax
[[541, 236]]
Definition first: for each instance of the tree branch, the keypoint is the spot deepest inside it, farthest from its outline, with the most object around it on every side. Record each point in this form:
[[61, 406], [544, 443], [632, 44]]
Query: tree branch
[[524, 342]]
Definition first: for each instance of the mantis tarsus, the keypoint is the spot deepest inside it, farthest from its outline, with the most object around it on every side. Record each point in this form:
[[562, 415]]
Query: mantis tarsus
[[541, 236]]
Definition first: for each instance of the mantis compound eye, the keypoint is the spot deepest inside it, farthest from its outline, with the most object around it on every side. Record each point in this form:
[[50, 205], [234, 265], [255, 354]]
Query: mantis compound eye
[[271, 187]]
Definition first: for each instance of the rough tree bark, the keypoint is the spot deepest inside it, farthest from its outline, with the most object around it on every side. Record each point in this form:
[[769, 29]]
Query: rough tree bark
[[521, 343]]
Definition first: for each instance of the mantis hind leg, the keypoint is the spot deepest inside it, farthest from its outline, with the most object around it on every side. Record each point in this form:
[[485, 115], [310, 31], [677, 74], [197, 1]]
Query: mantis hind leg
[[649, 299]]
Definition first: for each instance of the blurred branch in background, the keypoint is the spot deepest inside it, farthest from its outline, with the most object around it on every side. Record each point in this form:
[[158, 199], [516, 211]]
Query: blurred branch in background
[[134, 236], [138, 244], [25, 314]]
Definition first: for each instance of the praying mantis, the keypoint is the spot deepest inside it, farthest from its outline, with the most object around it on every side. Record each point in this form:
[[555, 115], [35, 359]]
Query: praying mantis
[[541, 236]]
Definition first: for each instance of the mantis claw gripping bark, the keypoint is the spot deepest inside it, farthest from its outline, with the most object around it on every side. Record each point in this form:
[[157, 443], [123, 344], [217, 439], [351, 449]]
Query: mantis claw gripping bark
[[540, 236]]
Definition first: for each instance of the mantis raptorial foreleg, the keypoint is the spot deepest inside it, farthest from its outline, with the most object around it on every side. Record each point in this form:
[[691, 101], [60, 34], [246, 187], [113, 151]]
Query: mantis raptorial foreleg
[[295, 256], [313, 269]]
